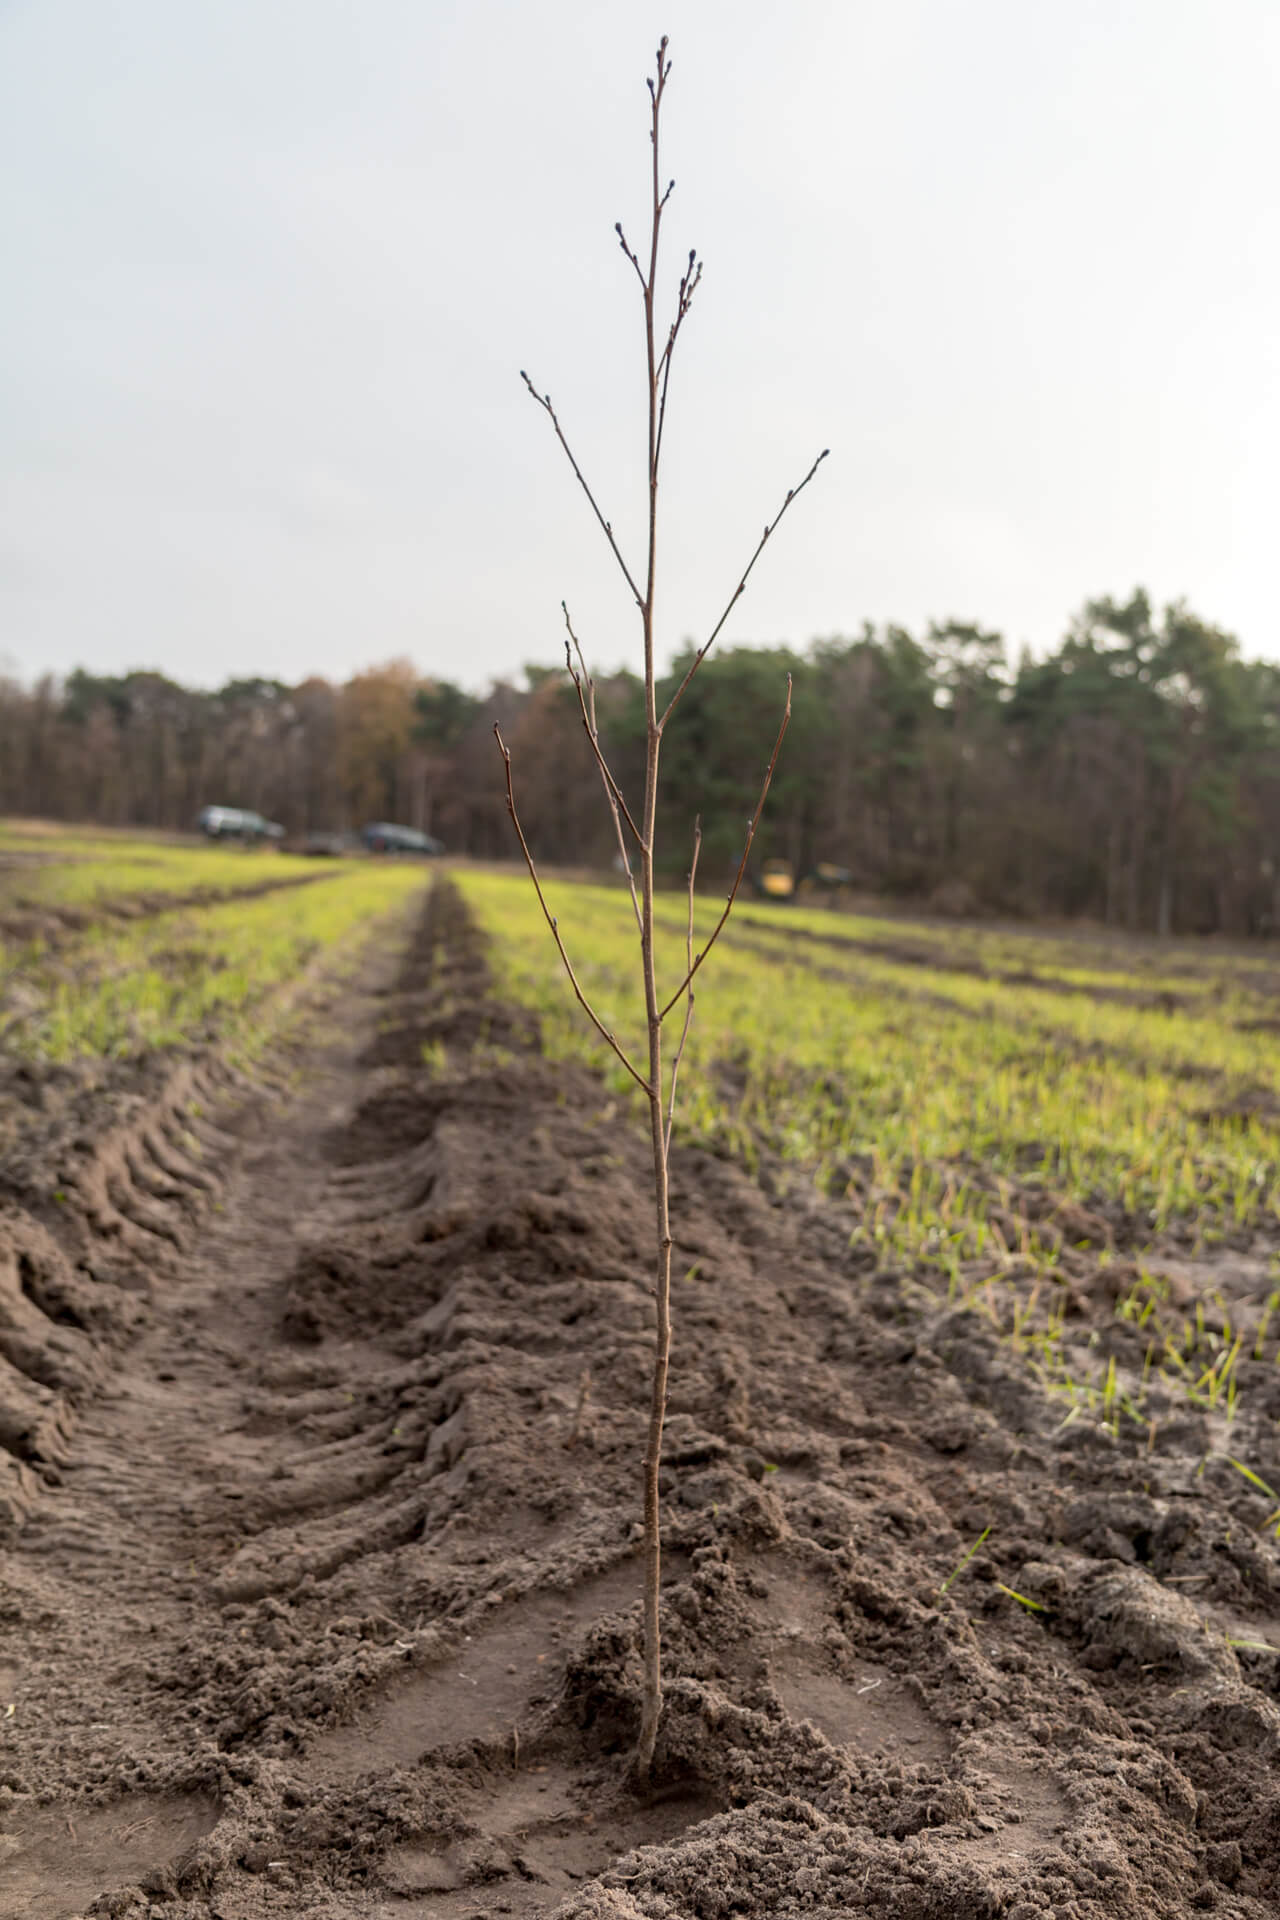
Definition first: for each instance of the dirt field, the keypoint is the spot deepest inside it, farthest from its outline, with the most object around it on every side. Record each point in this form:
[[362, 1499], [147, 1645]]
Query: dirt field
[[320, 1444]]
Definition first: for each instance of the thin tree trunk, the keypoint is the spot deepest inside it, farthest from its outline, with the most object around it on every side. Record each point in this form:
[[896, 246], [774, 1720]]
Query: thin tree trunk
[[1137, 847], [662, 1277]]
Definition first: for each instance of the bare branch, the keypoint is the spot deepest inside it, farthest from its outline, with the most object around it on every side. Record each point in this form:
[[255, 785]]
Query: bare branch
[[550, 919], [698, 658], [684, 300], [544, 401], [688, 1005], [664, 73], [742, 864], [622, 241], [587, 704], [688, 284], [613, 792]]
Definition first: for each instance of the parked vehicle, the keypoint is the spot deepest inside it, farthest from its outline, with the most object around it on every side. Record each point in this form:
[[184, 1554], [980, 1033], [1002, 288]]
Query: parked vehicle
[[385, 837], [235, 823]]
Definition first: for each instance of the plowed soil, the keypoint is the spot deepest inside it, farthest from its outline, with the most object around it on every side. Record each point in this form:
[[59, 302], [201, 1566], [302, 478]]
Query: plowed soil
[[321, 1425]]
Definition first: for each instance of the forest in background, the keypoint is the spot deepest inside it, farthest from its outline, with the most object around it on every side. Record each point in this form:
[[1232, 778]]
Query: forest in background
[[1131, 777]]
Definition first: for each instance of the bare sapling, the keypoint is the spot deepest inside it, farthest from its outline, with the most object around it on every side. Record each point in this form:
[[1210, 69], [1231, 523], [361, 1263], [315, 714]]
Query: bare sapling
[[635, 836]]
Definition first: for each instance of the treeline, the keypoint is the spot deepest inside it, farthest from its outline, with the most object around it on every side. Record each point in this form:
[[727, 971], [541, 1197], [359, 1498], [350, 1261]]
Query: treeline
[[139, 750], [1131, 777]]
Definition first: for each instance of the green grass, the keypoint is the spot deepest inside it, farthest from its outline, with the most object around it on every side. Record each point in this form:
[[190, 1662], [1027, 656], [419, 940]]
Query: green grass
[[195, 972], [991, 1135], [929, 1077], [1107, 958], [79, 871]]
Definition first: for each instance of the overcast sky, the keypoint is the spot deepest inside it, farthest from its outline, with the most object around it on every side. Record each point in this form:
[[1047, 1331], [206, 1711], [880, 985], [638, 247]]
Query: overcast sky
[[271, 268]]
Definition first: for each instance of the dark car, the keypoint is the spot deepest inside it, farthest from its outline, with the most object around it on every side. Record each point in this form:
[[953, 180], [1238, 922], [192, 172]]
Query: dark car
[[385, 837], [235, 823]]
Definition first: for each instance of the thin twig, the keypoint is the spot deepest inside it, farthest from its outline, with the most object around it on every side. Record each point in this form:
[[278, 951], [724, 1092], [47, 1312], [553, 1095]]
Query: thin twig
[[613, 792], [689, 282], [742, 864], [705, 648], [688, 285], [544, 401], [550, 919], [622, 242], [688, 1005]]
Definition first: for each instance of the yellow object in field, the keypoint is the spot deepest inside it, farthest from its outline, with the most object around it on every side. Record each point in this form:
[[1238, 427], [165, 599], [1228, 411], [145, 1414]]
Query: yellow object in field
[[778, 879]]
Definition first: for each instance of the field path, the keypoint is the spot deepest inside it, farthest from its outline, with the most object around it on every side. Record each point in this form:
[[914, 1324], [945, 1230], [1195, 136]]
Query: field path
[[328, 1603], [121, 1562]]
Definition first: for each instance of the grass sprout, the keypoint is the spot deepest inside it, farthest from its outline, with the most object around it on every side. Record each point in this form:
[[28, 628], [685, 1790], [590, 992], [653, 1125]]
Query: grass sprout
[[1033, 1606], [962, 1563]]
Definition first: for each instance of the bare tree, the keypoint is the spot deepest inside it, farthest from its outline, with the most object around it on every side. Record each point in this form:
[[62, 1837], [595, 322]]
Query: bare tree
[[636, 832]]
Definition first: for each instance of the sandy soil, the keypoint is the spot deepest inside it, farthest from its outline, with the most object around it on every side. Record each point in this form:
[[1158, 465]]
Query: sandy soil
[[320, 1435]]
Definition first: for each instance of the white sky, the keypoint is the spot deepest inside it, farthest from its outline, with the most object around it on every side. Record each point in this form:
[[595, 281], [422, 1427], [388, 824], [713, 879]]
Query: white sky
[[271, 268]]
